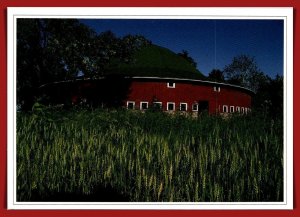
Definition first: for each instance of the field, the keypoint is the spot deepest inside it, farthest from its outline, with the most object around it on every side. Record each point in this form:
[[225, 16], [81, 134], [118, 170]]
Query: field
[[98, 155]]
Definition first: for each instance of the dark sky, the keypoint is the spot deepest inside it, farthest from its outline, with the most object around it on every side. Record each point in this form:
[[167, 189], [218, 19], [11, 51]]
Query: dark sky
[[211, 43]]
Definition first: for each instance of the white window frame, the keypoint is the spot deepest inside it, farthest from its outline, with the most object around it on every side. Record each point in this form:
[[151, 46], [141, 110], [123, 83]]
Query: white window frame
[[133, 102], [217, 89], [231, 109], [160, 103], [168, 103], [238, 109], [141, 108], [242, 110], [195, 110], [169, 86], [225, 106], [186, 106]]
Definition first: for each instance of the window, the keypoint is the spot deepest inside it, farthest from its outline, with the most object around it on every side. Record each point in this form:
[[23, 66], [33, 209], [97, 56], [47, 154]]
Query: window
[[225, 108], [183, 106], [144, 105], [171, 85], [217, 89], [170, 106], [157, 105], [231, 109], [242, 110], [195, 107], [130, 104], [238, 109]]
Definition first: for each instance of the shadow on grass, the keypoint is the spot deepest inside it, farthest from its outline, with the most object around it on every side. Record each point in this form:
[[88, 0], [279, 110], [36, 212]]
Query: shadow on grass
[[100, 194]]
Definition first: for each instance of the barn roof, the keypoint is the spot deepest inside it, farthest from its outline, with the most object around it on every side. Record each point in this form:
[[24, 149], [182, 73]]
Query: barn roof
[[155, 61], [144, 78]]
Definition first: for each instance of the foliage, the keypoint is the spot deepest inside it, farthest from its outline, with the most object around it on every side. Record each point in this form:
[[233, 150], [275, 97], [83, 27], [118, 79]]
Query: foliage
[[216, 75], [48, 50], [243, 70], [269, 97], [185, 54], [149, 156]]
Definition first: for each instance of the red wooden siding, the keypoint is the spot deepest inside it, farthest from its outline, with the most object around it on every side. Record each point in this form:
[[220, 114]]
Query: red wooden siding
[[187, 92]]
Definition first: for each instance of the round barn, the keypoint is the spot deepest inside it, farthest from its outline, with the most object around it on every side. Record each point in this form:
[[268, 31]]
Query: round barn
[[155, 78], [177, 94]]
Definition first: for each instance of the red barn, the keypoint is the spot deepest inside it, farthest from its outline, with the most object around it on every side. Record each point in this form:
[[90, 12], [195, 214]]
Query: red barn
[[176, 94], [156, 78]]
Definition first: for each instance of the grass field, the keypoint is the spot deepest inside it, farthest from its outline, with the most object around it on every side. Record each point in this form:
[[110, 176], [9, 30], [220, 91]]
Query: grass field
[[124, 155]]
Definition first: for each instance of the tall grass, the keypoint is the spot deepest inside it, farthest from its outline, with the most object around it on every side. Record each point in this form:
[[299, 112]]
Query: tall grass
[[151, 156]]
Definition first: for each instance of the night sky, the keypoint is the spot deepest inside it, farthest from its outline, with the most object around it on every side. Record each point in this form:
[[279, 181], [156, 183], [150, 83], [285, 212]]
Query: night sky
[[211, 43]]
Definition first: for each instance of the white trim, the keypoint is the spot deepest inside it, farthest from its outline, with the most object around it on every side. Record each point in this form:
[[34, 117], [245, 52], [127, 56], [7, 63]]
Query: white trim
[[169, 86], [186, 106], [225, 107], [133, 102], [242, 110], [155, 78], [168, 103], [217, 89], [191, 80], [238, 109], [278, 13], [158, 103], [141, 108], [195, 110], [231, 109]]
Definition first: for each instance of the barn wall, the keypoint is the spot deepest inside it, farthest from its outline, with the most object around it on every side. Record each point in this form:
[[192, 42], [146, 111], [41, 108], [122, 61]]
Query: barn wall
[[190, 93], [118, 91]]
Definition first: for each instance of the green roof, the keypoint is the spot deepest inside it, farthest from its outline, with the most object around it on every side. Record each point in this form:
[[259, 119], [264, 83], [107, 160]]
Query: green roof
[[155, 61]]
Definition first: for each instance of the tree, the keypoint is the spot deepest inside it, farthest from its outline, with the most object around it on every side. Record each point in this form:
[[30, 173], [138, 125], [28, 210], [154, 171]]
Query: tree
[[130, 44], [62, 49], [216, 75], [269, 97], [244, 71], [48, 50], [184, 54]]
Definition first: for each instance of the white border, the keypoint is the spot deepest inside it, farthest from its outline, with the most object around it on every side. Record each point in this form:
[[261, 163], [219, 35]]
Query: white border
[[141, 105], [285, 14], [168, 103], [130, 102], [182, 103], [195, 110], [158, 103], [225, 106], [169, 86]]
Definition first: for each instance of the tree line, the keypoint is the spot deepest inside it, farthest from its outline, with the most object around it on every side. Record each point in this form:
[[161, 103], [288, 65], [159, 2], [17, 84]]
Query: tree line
[[51, 50]]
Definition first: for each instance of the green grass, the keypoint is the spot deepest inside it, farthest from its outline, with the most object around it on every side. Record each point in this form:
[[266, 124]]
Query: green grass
[[150, 157], [156, 61]]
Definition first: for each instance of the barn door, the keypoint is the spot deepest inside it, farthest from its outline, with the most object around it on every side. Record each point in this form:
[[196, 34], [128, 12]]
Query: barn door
[[203, 106]]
